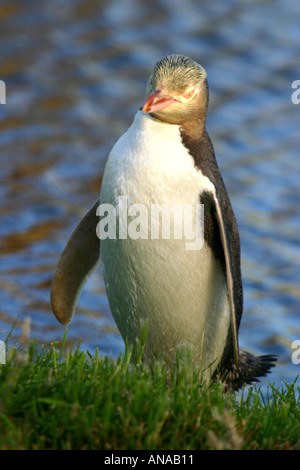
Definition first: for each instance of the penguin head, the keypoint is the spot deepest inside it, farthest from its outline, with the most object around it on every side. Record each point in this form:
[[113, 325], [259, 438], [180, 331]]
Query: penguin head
[[177, 90]]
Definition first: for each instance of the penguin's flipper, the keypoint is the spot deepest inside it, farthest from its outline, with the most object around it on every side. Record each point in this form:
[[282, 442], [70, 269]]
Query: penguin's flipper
[[79, 258], [230, 279]]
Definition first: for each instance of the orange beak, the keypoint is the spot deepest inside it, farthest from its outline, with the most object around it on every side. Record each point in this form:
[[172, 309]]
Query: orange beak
[[157, 101]]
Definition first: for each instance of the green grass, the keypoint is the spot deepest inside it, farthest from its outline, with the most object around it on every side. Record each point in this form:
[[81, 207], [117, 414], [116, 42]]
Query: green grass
[[63, 399]]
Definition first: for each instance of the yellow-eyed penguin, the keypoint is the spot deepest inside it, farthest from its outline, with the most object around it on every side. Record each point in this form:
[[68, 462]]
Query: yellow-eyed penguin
[[186, 295]]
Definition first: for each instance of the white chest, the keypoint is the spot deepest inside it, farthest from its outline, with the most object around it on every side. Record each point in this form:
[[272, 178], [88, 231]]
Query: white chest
[[180, 294]]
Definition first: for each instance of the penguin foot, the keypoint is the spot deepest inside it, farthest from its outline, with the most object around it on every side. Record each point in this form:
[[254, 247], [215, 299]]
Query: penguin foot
[[249, 370]]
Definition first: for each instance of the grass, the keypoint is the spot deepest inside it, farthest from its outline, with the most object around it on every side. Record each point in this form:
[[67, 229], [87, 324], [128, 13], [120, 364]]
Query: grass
[[57, 398]]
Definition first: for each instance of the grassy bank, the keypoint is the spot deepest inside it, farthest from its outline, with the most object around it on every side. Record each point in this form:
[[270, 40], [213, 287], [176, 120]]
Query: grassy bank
[[59, 399]]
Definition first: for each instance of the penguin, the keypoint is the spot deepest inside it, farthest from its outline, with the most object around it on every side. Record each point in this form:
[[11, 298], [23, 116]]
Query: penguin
[[186, 295]]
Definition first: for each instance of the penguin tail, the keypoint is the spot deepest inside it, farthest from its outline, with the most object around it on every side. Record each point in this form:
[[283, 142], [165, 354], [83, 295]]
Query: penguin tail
[[249, 370]]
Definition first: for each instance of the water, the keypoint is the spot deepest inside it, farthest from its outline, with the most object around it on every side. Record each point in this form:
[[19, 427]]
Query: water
[[75, 74]]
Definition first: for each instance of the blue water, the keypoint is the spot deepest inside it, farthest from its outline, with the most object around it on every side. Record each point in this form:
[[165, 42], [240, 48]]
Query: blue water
[[75, 74]]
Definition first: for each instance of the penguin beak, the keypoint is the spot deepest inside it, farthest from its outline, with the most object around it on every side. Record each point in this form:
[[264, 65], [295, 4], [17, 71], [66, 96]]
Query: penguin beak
[[157, 101]]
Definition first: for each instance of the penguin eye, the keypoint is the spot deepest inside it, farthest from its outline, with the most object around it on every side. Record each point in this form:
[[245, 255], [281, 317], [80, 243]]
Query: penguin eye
[[189, 94]]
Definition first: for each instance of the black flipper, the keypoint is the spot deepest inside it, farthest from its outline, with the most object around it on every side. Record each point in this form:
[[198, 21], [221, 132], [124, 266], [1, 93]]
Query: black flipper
[[227, 231], [237, 368]]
